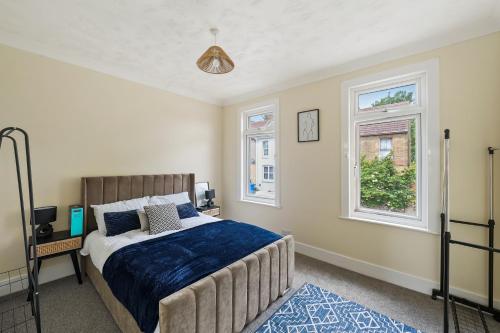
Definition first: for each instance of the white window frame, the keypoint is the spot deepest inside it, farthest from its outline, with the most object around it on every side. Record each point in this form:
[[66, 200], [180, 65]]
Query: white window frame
[[263, 107], [425, 111]]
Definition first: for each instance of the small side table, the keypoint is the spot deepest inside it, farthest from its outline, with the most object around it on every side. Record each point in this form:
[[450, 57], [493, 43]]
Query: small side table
[[58, 244], [212, 210]]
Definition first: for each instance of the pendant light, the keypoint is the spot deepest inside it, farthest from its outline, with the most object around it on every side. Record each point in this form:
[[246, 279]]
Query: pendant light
[[215, 60]]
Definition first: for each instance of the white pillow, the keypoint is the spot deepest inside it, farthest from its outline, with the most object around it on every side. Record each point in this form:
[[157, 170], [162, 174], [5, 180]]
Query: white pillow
[[177, 199], [120, 206]]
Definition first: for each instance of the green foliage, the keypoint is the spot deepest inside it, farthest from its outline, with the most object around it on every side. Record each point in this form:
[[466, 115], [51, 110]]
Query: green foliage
[[400, 96], [412, 141], [384, 187]]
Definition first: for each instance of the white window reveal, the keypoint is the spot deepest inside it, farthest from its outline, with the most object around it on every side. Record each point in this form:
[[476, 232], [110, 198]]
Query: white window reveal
[[259, 154], [390, 136]]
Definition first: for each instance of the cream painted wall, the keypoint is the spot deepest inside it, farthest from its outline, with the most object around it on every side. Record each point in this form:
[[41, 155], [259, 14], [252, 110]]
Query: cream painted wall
[[83, 123], [311, 177]]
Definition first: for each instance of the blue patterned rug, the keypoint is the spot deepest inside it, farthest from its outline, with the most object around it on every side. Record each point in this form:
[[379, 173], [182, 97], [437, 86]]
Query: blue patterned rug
[[316, 310]]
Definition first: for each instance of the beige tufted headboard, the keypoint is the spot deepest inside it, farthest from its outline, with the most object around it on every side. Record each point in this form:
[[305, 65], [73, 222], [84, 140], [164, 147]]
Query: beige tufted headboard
[[100, 190]]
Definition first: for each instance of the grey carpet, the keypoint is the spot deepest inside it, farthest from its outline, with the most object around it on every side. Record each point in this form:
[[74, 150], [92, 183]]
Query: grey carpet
[[69, 307]]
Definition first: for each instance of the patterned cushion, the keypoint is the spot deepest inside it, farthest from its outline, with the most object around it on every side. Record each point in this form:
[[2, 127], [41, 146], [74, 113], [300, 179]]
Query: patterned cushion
[[162, 218], [120, 222], [187, 210]]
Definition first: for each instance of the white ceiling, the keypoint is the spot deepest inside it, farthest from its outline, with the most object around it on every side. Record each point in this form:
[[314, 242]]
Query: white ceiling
[[274, 43]]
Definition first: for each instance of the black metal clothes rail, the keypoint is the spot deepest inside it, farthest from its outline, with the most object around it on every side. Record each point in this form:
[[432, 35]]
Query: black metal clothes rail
[[31, 269], [446, 240]]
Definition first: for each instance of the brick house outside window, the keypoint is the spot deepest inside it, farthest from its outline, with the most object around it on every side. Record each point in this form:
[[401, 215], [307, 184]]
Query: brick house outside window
[[375, 138]]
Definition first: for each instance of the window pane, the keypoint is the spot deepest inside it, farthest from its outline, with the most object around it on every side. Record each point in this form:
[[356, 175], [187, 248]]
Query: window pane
[[388, 168], [268, 172], [260, 176], [265, 148], [385, 147], [261, 121], [387, 98]]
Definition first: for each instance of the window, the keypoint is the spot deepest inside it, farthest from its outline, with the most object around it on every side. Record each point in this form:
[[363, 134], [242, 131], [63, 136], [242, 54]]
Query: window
[[265, 148], [388, 98], [259, 154], [268, 173], [385, 147], [391, 155]]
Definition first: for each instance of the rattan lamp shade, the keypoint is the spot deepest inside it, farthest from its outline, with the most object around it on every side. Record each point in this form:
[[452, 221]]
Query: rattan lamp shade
[[215, 61]]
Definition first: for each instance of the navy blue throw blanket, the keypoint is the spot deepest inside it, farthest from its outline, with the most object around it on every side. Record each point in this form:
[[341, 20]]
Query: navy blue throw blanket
[[142, 274]]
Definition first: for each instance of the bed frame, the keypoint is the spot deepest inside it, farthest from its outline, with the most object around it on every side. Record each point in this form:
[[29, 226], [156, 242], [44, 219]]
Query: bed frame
[[224, 301]]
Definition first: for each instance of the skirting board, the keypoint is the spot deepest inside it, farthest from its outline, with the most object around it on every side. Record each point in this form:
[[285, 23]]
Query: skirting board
[[398, 278], [52, 269]]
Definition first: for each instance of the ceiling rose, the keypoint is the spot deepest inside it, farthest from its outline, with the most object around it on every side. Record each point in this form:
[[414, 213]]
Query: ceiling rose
[[215, 60]]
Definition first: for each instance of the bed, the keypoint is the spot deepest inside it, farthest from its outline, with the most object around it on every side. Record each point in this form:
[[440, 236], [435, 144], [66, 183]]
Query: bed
[[223, 301]]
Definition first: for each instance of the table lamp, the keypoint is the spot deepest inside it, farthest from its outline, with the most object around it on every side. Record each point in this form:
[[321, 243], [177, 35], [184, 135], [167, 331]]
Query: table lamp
[[209, 195], [43, 217]]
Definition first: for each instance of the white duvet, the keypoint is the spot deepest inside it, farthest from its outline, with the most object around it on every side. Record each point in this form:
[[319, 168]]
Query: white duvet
[[100, 247]]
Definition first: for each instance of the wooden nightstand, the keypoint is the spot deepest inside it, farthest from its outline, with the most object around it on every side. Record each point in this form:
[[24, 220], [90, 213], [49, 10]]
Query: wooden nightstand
[[212, 211], [58, 244]]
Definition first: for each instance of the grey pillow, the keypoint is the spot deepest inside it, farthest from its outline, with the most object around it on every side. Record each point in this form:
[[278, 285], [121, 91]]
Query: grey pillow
[[162, 218], [143, 218]]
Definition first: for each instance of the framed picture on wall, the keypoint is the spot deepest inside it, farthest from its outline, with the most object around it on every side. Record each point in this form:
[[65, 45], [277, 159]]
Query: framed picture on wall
[[308, 126], [200, 189]]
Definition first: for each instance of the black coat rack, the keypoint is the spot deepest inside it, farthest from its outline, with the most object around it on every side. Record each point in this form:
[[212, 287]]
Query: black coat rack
[[446, 241], [31, 269]]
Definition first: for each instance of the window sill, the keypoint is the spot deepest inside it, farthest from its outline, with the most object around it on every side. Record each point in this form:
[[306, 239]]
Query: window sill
[[260, 203], [402, 226]]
